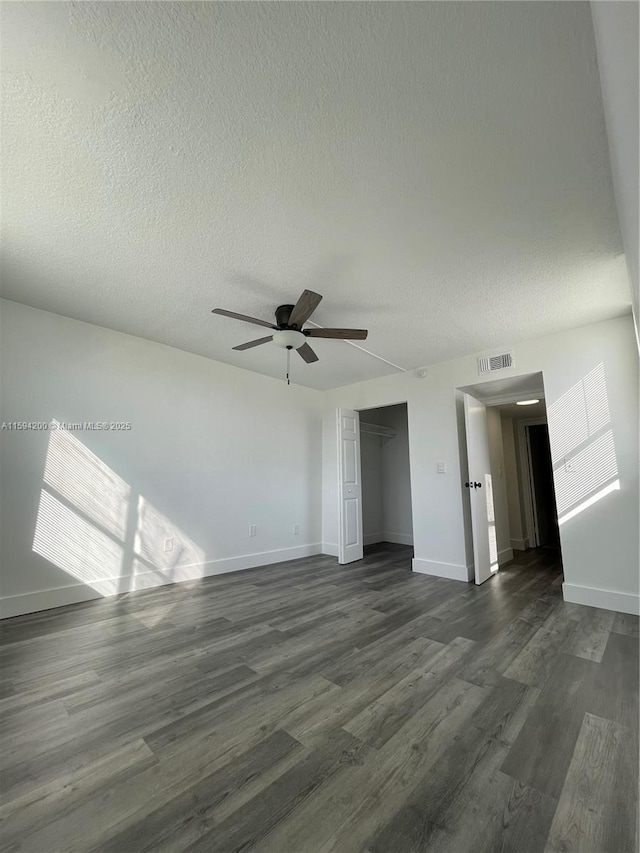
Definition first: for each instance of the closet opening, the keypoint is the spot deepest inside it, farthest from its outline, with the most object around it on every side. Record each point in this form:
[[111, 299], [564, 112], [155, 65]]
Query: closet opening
[[387, 524]]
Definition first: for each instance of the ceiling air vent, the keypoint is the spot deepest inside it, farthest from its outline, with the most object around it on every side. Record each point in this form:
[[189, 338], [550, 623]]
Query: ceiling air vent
[[489, 363]]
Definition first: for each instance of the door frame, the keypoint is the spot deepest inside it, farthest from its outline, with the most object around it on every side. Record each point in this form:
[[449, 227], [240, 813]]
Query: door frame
[[341, 545], [501, 397]]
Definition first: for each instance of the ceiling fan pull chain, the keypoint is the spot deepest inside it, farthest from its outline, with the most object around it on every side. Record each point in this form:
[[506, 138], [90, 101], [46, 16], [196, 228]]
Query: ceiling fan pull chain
[[288, 365]]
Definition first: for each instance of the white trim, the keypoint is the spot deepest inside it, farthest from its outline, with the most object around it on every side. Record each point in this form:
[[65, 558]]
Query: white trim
[[441, 570], [519, 544], [372, 538], [608, 599], [397, 538], [505, 556], [330, 549], [32, 602], [46, 599]]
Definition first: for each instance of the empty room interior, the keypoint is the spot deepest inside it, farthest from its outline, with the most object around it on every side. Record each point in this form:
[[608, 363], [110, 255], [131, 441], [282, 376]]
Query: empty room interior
[[319, 427]]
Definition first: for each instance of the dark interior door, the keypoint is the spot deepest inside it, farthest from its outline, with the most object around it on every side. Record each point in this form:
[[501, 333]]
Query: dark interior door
[[544, 494]]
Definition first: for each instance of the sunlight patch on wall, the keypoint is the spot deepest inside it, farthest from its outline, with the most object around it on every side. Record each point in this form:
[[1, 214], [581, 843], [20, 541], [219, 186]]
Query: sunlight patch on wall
[[79, 476], [579, 413], [82, 520], [583, 451], [76, 546], [612, 487], [587, 471], [153, 529], [491, 519]]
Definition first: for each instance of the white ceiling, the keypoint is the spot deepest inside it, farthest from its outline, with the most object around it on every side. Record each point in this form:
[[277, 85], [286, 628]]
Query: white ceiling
[[438, 171]]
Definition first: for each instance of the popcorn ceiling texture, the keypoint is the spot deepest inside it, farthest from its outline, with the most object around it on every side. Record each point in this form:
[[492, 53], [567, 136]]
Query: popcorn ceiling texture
[[438, 171]]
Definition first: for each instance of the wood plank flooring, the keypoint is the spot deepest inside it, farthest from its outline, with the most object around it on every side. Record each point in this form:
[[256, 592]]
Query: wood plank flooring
[[307, 708]]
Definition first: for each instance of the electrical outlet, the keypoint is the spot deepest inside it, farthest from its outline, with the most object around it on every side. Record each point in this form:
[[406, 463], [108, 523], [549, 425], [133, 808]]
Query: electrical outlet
[[442, 468], [252, 530], [168, 544], [296, 529]]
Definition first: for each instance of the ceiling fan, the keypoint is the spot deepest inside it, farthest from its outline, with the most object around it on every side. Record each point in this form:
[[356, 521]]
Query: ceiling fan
[[288, 331]]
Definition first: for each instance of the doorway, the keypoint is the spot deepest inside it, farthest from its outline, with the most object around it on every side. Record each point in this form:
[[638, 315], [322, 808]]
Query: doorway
[[528, 482], [506, 443], [386, 480]]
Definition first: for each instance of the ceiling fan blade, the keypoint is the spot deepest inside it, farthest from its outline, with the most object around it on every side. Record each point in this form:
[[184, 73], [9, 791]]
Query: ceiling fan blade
[[304, 308], [243, 317], [342, 334], [255, 343], [307, 353]]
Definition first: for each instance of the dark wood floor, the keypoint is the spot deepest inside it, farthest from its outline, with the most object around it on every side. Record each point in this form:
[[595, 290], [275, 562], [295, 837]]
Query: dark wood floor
[[308, 707]]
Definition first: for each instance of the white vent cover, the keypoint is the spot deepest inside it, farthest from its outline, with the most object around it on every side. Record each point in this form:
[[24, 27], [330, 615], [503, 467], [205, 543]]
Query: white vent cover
[[489, 363]]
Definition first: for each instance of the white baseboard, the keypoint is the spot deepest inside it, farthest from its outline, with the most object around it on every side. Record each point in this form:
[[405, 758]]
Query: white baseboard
[[505, 556], [397, 538], [330, 549], [441, 570], [372, 538], [607, 599], [519, 544], [32, 602]]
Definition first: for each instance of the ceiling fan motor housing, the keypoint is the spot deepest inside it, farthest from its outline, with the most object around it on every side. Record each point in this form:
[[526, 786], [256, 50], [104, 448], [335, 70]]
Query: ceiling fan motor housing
[[283, 312]]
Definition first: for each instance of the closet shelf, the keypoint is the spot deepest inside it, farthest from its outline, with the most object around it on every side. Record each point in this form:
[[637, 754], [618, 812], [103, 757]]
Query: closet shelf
[[376, 429]]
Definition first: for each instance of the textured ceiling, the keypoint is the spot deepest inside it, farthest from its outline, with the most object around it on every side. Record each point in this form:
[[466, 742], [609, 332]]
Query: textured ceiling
[[438, 171]]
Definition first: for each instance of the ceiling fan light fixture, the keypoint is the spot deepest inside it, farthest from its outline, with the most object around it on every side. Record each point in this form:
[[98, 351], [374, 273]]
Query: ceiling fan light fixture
[[288, 339]]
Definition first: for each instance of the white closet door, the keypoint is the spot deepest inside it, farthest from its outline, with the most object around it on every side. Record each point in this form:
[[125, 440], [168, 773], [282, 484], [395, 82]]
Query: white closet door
[[350, 486]]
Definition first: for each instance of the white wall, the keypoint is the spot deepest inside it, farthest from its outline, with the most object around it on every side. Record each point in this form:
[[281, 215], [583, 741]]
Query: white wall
[[512, 485], [371, 459], [615, 26], [500, 502], [599, 544], [211, 450]]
